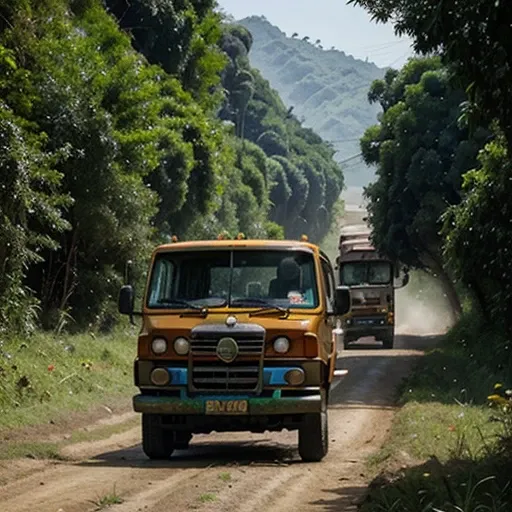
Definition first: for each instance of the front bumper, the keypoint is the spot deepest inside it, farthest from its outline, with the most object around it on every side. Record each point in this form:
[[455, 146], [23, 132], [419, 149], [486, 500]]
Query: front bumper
[[277, 404], [276, 396], [371, 325]]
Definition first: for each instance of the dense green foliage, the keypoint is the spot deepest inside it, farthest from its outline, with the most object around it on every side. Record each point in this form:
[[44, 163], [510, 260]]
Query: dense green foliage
[[114, 137], [421, 154], [472, 37], [326, 87], [473, 42]]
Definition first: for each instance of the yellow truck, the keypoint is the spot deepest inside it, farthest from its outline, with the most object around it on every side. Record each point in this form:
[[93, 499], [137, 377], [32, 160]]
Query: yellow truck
[[237, 335], [372, 280]]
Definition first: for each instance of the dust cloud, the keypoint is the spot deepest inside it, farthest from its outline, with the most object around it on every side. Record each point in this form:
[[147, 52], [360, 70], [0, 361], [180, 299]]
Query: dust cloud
[[421, 307]]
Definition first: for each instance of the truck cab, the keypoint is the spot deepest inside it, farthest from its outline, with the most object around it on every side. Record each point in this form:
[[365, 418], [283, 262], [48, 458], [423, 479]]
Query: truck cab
[[371, 278], [237, 335]]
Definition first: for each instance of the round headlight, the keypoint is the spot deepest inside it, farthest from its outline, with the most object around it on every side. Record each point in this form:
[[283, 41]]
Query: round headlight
[[181, 346], [159, 346], [295, 377], [281, 345], [160, 377]]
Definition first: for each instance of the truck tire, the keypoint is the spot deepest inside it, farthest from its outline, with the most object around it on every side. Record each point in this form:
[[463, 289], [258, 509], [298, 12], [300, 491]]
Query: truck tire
[[314, 435], [388, 342], [157, 443]]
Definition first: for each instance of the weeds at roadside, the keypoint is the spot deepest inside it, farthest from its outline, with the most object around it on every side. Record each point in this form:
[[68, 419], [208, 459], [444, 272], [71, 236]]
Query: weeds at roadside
[[225, 477], [207, 497], [107, 500], [44, 376], [31, 450]]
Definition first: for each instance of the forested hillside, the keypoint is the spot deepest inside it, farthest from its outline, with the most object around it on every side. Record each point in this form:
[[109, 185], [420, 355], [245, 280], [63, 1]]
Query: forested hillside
[[123, 123], [324, 86]]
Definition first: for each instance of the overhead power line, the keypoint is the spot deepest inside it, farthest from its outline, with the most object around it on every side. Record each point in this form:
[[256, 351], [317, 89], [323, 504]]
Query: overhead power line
[[337, 141], [359, 155]]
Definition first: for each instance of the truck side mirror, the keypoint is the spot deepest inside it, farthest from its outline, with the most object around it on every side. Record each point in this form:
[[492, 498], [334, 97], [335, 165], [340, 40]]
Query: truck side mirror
[[342, 302], [405, 280], [126, 300]]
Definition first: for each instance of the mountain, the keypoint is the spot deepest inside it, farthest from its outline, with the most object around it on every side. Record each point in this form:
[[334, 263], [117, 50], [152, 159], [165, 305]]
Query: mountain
[[326, 88]]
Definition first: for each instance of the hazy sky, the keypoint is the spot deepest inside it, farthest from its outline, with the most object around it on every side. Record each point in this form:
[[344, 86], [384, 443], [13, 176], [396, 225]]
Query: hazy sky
[[346, 27]]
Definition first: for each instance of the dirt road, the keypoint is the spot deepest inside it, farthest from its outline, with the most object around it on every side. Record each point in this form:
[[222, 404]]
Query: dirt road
[[231, 472]]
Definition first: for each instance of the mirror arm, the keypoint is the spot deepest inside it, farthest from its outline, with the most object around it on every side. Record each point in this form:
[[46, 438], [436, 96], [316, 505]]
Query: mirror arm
[[134, 313]]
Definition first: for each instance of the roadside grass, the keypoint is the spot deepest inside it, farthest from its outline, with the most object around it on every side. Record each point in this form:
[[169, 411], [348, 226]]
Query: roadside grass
[[107, 500], [225, 477], [31, 450], [207, 497], [445, 451], [46, 376], [15, 449]]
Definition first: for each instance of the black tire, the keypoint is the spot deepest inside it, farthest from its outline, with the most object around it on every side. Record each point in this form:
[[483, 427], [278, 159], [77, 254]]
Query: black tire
[[157, 443], [387, 343], [314, 434]]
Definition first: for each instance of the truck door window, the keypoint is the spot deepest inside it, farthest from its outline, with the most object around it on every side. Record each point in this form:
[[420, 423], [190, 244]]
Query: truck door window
[[329, 282]]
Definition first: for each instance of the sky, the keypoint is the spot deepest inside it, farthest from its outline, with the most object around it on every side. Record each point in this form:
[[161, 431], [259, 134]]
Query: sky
[[346, 27]]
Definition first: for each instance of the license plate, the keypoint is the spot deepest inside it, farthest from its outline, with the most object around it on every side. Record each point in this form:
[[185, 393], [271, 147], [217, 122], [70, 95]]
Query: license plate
[[226, 407]]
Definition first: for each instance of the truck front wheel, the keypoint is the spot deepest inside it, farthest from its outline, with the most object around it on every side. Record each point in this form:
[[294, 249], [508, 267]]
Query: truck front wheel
[[157, 443], [314, 434]]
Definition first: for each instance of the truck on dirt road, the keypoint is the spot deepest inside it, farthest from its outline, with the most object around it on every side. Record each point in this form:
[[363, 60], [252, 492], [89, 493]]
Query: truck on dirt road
[[372, 280], [237, 335]]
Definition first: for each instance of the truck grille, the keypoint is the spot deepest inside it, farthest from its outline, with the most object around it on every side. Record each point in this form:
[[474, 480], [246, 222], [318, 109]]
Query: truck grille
[[208, 346], [220, 378], [249, 337], [238, 376]]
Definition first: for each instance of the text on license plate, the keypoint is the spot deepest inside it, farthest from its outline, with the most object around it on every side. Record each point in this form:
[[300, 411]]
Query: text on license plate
[[365, 322], [227, 407]]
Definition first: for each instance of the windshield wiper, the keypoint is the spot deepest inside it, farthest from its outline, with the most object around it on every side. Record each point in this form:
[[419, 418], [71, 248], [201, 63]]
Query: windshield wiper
[[178, 302], [267, 306]]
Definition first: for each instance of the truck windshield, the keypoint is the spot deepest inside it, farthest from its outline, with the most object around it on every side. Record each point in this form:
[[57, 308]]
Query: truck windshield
[[240, 278], [366, 273]]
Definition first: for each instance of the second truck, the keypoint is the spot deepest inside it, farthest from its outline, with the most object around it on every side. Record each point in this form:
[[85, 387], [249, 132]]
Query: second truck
[[372, 279]]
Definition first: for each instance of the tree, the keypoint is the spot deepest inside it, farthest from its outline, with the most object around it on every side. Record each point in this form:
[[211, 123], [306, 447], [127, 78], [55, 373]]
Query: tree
[[181, 37], [473, 41], [421, 155], [471, 37], [478, 233]]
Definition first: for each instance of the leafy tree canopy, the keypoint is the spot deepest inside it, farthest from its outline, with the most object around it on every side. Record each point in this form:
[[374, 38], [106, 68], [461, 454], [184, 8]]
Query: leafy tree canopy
[[421, 154]]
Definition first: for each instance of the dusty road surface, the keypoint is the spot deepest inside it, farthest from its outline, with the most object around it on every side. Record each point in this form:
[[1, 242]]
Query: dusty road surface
[[231, 472]]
